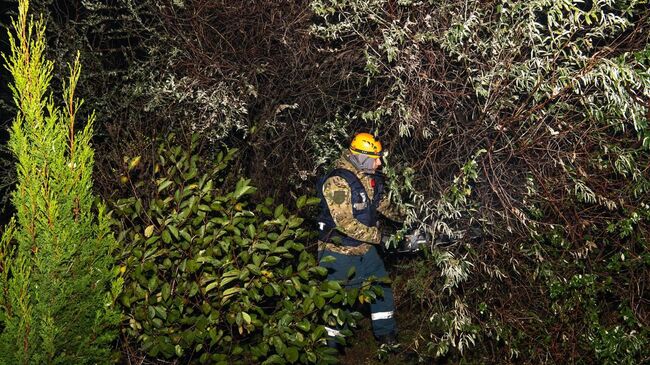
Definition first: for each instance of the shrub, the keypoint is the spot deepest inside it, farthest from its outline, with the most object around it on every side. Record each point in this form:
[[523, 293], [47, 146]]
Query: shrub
[[212, 277]]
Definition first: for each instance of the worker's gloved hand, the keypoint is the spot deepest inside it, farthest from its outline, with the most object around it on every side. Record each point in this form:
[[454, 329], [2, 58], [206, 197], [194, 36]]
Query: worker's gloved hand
[[391, 241], [414, 241], [384, 239]]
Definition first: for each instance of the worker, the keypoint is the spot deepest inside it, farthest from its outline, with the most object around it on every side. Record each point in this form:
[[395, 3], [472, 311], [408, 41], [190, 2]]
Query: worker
[[352, 194]]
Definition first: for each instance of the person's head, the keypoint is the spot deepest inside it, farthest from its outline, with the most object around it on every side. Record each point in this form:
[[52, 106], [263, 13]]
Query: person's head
[[365, 152]]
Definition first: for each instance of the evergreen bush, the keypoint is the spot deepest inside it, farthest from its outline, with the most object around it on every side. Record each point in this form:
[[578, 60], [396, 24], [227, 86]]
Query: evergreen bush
[[211, 277], [56, 267]]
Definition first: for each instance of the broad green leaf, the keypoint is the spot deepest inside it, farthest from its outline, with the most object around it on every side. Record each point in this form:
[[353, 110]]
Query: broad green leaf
[[319, 301], [254, 269], [268, 291], [335, 285], [251, 230], [295, 222], [194, 288], [312, 201], [328, 259], [274, 359], [166, 237], [304, 325], [322, 271], [262, 246], [227, 281], [161, 311], [291, 354], [311, 356], [301, 201], [228, 293], [164, 184], [242, 189], [173, 230], [212, 285], [234, 272], [166, 291], [186, 236], [278, 211]]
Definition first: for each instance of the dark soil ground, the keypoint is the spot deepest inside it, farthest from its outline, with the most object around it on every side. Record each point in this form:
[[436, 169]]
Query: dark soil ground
[[364, 350]]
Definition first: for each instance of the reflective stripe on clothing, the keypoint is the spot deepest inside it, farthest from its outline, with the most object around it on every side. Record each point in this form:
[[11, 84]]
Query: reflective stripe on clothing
[[381, 315], [332, 332]]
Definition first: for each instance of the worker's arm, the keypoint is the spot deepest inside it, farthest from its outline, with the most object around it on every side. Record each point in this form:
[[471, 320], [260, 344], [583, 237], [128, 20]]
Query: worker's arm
[[390, 210], [338, 196]]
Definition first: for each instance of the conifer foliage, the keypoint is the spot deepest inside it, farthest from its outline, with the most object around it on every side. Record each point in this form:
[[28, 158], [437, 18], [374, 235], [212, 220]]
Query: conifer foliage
[[56, 267]]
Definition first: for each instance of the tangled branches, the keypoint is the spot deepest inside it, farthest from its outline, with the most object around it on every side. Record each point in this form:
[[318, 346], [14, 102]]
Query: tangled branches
[[530, 119]]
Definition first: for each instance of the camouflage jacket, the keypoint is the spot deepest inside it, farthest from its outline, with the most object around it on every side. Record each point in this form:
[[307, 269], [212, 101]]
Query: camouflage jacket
[[337, 194]]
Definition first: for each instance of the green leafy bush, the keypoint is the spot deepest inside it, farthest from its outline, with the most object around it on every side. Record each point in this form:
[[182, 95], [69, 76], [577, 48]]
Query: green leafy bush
[[212, 277]]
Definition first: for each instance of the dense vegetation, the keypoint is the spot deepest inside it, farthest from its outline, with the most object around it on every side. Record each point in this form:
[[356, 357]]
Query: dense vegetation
[[213, 277], [526, 121]]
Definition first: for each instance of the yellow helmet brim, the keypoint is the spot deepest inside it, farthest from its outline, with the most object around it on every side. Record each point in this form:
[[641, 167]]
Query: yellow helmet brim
[[369, 154]]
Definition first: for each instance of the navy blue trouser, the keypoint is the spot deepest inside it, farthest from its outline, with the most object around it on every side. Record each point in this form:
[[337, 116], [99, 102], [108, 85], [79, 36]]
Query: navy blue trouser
[[369, 264]]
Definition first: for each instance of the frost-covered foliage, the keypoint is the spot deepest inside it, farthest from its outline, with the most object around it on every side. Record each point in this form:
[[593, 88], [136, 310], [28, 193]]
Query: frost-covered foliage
[[220, 108], [138, 51], [143, 79]]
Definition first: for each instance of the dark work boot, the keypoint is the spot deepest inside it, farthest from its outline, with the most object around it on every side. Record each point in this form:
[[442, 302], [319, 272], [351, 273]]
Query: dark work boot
[[389, 339], [333, 344]]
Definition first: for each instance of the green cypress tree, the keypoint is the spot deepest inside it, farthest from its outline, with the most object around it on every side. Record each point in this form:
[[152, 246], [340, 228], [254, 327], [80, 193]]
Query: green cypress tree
[[56, 270]]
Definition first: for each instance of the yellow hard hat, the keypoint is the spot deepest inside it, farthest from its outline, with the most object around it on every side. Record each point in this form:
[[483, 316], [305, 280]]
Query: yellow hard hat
[[367, 144]]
